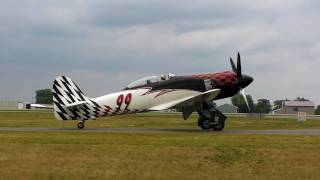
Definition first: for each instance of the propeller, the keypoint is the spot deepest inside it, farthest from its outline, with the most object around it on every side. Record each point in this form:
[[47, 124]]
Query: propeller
[[237, 69], [245, 98], [243, 80], [239, 72], [233, 66]]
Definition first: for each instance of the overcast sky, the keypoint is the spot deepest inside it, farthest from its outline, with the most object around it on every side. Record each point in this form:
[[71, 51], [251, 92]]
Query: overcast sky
[[105, 44]]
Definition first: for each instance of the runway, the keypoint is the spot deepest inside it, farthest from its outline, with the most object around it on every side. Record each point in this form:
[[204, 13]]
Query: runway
[[313, 132]]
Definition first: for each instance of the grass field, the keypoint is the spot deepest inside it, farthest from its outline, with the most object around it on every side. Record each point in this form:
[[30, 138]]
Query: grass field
[[172, 155], [147, 120]]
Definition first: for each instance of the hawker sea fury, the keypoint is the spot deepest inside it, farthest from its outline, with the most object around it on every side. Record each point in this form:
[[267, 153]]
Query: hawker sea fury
[[187, 94]]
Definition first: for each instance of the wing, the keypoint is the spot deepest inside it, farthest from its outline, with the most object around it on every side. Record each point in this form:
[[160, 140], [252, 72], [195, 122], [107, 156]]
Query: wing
[[188, 104]]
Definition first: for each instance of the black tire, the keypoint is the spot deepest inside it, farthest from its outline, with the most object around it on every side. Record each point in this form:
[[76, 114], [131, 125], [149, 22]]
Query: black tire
[[80, 125], [219, 127], [205, 124]]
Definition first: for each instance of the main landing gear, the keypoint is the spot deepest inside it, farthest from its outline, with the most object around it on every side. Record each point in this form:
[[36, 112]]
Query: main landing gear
[[211, 118]]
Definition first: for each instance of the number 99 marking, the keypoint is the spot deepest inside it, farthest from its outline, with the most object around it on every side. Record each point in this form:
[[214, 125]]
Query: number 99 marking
[[127, 101]]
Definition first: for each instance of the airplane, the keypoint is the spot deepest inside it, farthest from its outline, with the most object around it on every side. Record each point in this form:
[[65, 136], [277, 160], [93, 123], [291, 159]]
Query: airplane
[[187, 94]]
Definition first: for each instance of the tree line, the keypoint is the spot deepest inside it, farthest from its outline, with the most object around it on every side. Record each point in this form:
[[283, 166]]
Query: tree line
[[262, 105]]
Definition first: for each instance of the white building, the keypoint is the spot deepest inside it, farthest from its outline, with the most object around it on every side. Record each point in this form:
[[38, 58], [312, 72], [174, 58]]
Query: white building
[[227, 108]]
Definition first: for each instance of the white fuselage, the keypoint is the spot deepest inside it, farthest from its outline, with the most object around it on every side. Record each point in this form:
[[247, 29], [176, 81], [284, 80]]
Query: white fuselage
[[138, 100]]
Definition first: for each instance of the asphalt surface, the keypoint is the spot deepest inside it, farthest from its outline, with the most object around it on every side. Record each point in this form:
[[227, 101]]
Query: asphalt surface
[[162, 130]]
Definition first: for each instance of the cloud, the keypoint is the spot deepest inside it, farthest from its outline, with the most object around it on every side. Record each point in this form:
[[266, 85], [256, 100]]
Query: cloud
[[106, 44]]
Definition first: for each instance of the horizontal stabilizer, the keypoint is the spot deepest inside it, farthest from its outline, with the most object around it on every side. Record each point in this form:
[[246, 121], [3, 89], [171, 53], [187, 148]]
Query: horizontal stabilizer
[[42, 106], [76, 104]]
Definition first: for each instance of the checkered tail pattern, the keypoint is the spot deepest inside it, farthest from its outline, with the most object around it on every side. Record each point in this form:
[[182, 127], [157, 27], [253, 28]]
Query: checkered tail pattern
[[65, 94]]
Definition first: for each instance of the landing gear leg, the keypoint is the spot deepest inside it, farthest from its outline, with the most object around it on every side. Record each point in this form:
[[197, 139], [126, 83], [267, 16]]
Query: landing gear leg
[[211, 118], [80, 124]]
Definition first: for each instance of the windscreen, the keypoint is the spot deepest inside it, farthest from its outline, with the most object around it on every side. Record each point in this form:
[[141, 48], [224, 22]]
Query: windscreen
[[144, 81]]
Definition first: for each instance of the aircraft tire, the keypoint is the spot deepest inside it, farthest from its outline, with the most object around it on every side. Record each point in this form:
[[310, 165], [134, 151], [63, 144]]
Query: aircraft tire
[[205, 124], [220, 126], [80, 125]]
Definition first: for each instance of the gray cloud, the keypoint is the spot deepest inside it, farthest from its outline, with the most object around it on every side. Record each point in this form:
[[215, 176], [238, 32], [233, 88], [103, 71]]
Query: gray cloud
[[132, 13], [104, 45]]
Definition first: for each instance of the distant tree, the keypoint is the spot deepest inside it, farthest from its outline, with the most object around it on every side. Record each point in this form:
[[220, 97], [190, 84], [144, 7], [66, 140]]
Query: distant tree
[[317, 111], [44, 96], [277, 104], [300, 99], [263, 106], [238, 101]]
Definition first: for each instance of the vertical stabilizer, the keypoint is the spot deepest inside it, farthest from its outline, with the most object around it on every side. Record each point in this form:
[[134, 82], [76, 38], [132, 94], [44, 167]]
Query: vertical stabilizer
[[69, 101]]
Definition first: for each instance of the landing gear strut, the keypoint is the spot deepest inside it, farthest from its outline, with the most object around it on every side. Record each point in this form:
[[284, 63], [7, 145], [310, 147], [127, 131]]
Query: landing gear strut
[[80, 124], [211, 118]]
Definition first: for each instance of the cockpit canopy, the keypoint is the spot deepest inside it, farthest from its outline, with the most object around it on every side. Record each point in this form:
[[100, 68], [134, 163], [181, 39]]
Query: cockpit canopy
[[149, 79]]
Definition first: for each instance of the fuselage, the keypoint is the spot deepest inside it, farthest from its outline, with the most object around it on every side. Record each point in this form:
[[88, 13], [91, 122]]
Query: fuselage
[[136, 100], [142, 98]]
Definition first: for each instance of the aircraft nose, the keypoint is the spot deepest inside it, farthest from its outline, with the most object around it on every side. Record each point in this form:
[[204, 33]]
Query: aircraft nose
[[244, 81]]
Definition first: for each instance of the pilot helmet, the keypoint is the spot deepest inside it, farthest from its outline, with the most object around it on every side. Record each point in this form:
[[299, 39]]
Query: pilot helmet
[[170, 75]]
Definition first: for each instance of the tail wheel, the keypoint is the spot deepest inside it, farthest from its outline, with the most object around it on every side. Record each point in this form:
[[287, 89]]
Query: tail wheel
[[80, 125]]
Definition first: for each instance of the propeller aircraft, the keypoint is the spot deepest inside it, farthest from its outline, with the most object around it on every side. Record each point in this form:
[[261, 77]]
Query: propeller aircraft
[[188, 93]]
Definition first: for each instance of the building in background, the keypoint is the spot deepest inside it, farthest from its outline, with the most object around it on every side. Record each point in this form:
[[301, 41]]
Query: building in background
[[227, 108], [293, 107], [11, 105]]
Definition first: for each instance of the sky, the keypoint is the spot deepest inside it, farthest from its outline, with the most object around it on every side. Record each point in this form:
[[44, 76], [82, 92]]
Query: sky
[[103, 45]]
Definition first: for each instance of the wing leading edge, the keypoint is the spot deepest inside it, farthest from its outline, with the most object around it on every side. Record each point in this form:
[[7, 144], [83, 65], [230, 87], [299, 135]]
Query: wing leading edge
[[188, 104]]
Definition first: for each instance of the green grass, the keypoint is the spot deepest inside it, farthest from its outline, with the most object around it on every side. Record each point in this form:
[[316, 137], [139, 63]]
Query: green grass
[[157, 156], [148, 120], [168, 155]]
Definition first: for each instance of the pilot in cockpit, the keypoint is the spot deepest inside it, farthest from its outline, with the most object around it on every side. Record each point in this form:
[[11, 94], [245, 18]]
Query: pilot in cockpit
[[150, 80], [166, 76]]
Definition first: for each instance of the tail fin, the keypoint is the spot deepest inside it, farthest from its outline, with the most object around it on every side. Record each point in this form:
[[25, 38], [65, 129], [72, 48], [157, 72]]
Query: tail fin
[[69, 101]]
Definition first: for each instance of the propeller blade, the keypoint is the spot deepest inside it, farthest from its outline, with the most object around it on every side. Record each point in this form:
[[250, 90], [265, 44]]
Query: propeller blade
[[245, 98], [239, 73], [234, 69]]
